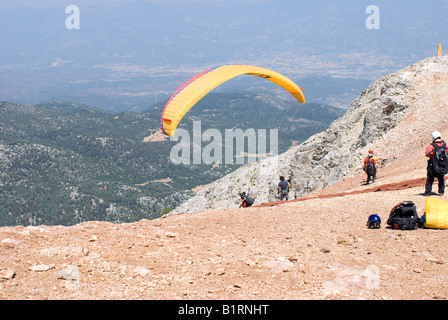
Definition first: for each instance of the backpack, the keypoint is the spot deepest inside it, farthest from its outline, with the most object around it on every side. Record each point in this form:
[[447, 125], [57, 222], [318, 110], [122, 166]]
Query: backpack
[[404, 216], [370, 168], [439, 160], [249, 200]]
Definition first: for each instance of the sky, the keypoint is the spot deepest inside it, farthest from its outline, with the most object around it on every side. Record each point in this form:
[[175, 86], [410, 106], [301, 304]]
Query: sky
[[142, 48]]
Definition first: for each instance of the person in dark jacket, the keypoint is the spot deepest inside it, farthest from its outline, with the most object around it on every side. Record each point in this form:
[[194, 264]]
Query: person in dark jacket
[[283, 188], [430, 151], [246, 200]]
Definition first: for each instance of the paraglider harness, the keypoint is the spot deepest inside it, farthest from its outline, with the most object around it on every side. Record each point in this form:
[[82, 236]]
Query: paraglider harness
[[404, 216]]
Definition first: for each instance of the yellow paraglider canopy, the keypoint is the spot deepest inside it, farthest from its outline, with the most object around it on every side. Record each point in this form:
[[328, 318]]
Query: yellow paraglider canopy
[[439, 50], [197, 87]]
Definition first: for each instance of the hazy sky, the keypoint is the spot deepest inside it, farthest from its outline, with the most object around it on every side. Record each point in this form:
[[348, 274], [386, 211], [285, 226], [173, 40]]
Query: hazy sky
[[125, 40], [198, 32]]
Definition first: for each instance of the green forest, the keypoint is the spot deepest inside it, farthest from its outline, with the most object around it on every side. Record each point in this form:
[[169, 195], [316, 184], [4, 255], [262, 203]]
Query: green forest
[[62, 163]]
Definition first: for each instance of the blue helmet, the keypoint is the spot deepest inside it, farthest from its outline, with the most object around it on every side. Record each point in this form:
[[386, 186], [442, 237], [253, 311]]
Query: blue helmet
[[374, 222]]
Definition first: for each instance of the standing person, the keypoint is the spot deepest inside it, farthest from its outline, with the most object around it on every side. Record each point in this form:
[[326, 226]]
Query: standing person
[[283, 188], [370, 168], [437, 163]]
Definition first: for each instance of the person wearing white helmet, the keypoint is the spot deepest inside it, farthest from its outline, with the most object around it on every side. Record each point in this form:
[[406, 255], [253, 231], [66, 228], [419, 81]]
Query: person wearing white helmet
[[437, 163]]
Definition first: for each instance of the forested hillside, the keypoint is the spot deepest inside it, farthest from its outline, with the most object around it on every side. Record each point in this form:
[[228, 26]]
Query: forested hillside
[[64, 163]]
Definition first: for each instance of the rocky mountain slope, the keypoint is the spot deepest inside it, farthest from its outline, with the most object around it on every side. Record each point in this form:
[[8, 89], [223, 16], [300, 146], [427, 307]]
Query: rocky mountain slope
[[317, 247], [395, 103]]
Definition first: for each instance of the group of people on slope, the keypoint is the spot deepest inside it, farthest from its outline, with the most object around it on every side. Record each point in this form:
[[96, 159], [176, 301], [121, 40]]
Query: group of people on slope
[[436, 152], [282, 190], [437, 166]]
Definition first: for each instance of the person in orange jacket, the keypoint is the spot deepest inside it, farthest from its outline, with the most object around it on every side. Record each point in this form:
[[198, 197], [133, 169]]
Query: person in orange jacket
[[432, 172]]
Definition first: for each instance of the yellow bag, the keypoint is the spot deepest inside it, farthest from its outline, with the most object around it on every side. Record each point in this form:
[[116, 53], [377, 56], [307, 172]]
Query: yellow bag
[[436, 213]]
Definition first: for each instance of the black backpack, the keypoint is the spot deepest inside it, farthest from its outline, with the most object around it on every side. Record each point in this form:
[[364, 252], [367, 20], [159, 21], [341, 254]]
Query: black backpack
[[370, 167], [439, 160], [404, 216]]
